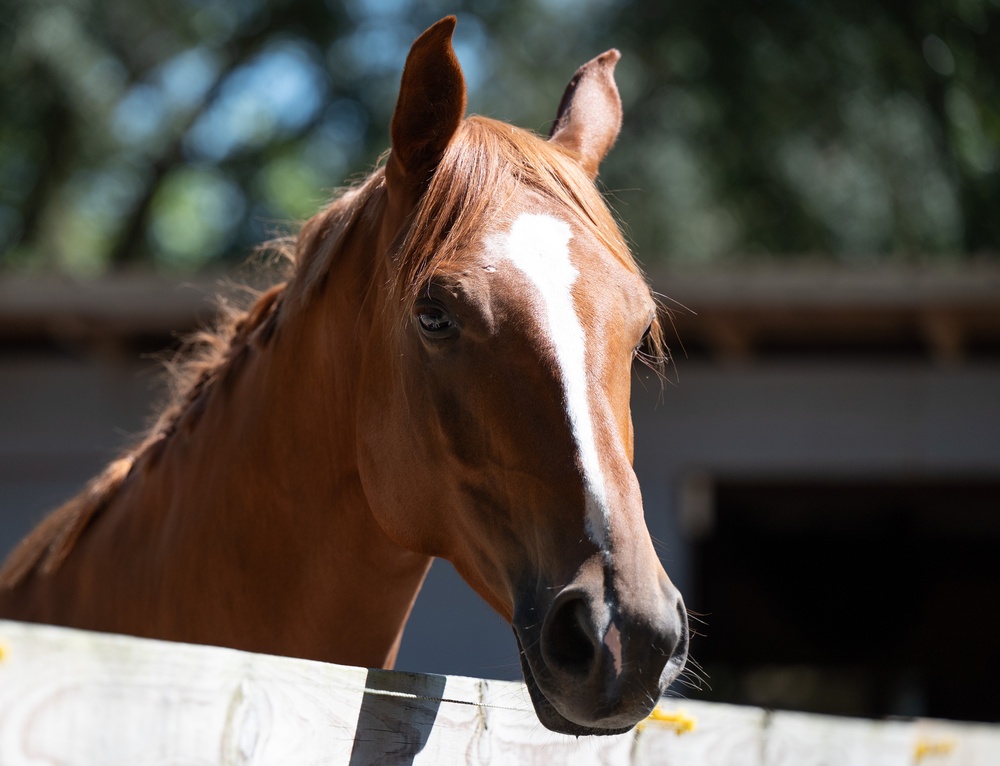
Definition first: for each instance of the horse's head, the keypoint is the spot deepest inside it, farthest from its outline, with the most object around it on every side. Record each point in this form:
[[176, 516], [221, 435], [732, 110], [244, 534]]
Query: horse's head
[[494, 426]]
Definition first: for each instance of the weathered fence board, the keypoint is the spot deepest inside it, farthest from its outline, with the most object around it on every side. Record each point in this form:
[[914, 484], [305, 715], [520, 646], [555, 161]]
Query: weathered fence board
[[72, 697]]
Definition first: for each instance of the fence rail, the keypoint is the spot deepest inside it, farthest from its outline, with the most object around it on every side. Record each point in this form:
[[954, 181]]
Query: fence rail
[[73, 697]]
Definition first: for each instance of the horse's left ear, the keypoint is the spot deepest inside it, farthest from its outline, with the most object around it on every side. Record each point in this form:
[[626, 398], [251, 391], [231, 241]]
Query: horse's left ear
[[590, 113], [429, 109]]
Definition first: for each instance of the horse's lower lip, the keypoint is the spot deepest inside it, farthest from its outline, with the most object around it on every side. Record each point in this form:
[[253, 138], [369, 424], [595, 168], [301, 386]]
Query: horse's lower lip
[[547, 714]]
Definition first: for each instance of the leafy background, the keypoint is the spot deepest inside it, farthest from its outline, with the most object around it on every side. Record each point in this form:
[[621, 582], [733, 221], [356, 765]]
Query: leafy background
[[174, 135]]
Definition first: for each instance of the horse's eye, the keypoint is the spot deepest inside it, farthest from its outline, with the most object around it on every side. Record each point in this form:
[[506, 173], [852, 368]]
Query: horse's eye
[[644, 342], [435, 322]]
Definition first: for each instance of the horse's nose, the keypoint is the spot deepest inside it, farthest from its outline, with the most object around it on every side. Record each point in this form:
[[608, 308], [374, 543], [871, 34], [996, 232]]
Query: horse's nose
[[609, 656]]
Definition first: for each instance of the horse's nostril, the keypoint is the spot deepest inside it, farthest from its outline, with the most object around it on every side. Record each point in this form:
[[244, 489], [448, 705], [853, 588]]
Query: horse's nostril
[[568, 640]]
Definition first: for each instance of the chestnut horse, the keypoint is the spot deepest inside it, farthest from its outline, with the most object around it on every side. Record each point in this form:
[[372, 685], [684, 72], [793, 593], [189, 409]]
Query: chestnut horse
[[446, 373]]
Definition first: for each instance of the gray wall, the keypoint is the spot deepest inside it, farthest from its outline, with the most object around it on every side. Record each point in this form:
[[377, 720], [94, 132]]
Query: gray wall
[[787, 420], [62, 418]]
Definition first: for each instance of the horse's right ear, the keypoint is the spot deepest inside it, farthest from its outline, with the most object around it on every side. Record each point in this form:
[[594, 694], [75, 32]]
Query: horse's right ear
[[429, 109]]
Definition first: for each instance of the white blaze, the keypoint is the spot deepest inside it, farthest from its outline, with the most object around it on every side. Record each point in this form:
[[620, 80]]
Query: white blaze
[[538, 246]]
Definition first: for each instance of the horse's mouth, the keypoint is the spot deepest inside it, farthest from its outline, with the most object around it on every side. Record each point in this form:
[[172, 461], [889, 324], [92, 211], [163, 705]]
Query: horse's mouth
[[547, 714]]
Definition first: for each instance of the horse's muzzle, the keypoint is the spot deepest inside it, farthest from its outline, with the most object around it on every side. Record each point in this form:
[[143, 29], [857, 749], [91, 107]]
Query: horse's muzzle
[[597, 663]]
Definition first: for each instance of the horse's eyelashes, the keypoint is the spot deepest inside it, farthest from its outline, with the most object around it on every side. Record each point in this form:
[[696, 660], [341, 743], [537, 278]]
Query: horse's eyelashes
[[435, 322], [644, 342]]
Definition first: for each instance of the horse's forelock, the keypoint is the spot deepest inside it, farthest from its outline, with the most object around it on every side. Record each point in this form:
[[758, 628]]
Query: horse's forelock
[[484, 168]]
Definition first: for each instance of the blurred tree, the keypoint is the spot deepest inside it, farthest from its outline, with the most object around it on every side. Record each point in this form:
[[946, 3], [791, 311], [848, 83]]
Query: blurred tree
[[855, 129], [179, 133]]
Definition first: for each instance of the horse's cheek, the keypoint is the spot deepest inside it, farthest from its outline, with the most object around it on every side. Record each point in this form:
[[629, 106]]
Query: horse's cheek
[[397, 461]]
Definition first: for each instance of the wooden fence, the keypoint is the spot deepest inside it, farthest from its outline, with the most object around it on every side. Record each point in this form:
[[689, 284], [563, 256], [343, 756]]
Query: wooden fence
[[72, 697]]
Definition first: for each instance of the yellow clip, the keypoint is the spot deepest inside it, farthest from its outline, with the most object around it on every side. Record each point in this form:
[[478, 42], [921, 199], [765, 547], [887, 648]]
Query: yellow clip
[[678, 720], [925, 747]]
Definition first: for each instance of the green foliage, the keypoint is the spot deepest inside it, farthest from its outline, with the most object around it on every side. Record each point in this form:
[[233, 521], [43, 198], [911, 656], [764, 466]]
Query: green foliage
[[862, 131], [180, 133]]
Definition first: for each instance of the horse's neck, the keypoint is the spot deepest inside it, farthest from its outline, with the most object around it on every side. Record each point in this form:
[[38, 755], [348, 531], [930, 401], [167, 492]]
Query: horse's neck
[[250, 528]]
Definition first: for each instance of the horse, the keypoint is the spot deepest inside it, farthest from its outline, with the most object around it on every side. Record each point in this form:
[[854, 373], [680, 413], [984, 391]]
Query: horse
[[445, 373]]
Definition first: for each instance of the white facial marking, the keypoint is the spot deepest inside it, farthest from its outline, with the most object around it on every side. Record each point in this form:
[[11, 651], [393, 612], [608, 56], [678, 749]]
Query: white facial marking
[[613, 640], [538, 246]]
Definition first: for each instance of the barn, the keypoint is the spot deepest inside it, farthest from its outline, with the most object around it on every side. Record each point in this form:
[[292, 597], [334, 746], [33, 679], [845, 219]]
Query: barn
[[820, 468]]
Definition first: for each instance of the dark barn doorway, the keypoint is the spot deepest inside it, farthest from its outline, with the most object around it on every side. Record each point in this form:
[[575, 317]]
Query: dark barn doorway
[[868, 598]]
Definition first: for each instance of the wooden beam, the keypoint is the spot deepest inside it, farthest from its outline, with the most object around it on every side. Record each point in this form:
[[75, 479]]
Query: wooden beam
[[734, 314], [731, 342], [73, 697], [945, 337]]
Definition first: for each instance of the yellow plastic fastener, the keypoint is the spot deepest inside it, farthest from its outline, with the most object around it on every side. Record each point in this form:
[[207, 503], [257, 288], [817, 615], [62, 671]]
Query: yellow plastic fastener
[[926, 747], [678, 720]]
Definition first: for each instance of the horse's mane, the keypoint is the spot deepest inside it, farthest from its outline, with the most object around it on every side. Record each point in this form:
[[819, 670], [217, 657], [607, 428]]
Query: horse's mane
[[486, 164], [206, 357]]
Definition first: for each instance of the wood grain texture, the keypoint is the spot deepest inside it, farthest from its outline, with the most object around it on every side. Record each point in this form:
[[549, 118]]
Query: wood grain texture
[[724, 735], [69, 697]]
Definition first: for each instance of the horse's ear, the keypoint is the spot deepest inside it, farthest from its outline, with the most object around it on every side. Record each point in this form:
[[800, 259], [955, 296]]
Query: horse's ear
[[429, 109], [590, 113]]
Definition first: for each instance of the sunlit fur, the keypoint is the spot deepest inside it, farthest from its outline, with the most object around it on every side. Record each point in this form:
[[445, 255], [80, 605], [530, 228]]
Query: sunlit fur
[[315, 456], [487, 162], [484, 166]]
